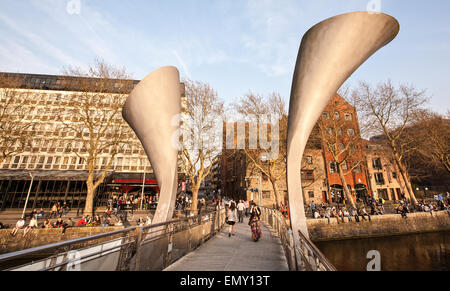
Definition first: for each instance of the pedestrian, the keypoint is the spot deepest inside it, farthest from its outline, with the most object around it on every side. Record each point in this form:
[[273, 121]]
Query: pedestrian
[[255, 222], [347, 214], [246, 205], [231, 218], [241, 208], [33, 224], [19, 224], [313, 208], [355, 214]]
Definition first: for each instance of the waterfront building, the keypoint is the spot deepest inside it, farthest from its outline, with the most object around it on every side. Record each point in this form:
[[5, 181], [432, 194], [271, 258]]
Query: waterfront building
[[321, 183], [54, 157], [384, 176]]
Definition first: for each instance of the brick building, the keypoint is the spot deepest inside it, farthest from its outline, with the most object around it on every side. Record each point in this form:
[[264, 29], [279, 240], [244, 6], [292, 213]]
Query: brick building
[[320, 180], [385, 180], [340, 123]]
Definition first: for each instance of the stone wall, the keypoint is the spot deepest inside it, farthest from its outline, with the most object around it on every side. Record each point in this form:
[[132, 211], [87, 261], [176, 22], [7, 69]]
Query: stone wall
[[40, 237], [381, 225]]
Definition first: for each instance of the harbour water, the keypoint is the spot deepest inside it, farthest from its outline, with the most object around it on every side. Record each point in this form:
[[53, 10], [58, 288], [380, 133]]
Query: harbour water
[[415, 252]]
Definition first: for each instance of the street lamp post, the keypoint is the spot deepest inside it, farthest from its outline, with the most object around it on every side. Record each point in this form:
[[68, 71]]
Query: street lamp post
[[28, 195], [142, 194]]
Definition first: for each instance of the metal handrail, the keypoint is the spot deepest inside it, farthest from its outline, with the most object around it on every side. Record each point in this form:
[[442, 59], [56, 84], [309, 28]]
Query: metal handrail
[[27, 252], [317, 253], [196, 220], [301, 253]]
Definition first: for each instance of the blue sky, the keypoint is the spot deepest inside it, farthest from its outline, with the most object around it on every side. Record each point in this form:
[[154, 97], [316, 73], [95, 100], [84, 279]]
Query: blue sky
[[234, 45]]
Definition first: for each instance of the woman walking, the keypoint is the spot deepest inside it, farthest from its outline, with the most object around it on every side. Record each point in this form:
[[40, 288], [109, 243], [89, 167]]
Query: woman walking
[[231, 218], [255, 222]]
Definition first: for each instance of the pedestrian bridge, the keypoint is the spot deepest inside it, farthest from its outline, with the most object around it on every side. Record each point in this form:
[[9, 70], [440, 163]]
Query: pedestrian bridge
[[198, 243]]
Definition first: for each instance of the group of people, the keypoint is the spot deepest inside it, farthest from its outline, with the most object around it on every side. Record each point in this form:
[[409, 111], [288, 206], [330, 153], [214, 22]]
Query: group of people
[[377, 207], [184, 203], [323, 211], [59, 223], [235, 214]]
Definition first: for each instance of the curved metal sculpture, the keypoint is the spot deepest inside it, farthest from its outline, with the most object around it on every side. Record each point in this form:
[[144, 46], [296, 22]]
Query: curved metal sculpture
[[329, 54], [149, 110]]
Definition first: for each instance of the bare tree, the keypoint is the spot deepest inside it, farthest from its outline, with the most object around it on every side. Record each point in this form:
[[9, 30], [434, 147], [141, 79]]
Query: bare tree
[[201, 136], [16, 132], [391, 111], [430, 161], [433, 132], [342, 140], [261, 109], [93, 118]]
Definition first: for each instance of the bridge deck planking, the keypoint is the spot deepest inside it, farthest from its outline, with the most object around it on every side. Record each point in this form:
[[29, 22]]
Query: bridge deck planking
[[238, 253]]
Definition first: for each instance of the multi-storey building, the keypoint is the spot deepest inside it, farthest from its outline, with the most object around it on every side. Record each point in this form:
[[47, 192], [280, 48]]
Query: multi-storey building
[[384, 176], [320, 179], [340, 123], [55, 157], [242, 179]]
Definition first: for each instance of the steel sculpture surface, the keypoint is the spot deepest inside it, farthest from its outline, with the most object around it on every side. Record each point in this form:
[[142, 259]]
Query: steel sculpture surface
[[329, 54], [150, 110]]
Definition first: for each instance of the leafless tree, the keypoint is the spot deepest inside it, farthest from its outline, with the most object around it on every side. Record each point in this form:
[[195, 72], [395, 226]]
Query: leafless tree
[[93, 116], [201, 125], [390, 111], [261, 109], [16, 132], [433, 137]]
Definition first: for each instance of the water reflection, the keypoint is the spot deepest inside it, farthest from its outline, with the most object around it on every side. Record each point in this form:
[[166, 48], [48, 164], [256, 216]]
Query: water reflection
[[417, 252]]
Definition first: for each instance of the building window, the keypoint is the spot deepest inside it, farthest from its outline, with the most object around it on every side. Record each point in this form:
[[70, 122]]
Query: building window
[[337, 116], [348, 116], [357, 169], [351, 132], [379, 179], [266, 194], [344, 165], [264, 177], [311, 194], [326, 115], [394, 175], [376, 164], [309, 159], [307, 175], [341, 147], [333, 167]]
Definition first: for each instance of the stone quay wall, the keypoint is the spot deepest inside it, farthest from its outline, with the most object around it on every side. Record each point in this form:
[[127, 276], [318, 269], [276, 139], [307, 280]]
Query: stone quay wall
[[381, 225], [40, 237]]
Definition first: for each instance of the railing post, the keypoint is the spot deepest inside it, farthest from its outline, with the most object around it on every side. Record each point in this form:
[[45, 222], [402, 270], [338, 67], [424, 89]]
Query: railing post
[[137, 261]]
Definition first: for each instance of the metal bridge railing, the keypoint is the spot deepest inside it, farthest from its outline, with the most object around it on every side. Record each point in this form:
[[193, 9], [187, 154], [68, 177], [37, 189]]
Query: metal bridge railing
[[301, 255], [149, 248]]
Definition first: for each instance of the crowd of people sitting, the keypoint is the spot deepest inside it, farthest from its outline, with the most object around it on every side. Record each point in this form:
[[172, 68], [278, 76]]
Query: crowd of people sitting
[[377, 207], [108, 219]]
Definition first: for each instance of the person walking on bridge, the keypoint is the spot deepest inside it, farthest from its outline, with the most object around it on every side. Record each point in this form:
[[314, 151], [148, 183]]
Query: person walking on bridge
[[231, 218], [241, 208], [255, 222]]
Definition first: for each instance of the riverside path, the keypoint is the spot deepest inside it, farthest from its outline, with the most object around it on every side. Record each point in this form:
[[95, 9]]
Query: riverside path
[[236, 253]]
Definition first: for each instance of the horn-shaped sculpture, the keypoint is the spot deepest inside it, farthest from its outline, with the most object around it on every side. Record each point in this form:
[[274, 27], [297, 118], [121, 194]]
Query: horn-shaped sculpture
[[150, 110], [329, 54]]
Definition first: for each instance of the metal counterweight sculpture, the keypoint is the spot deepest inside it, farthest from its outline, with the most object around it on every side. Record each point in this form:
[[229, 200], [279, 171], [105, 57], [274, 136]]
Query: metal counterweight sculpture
[[329, 54], [150, 110]]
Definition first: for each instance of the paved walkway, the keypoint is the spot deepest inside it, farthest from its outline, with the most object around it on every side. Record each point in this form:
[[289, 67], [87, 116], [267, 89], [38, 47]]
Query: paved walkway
[[236, 253]]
